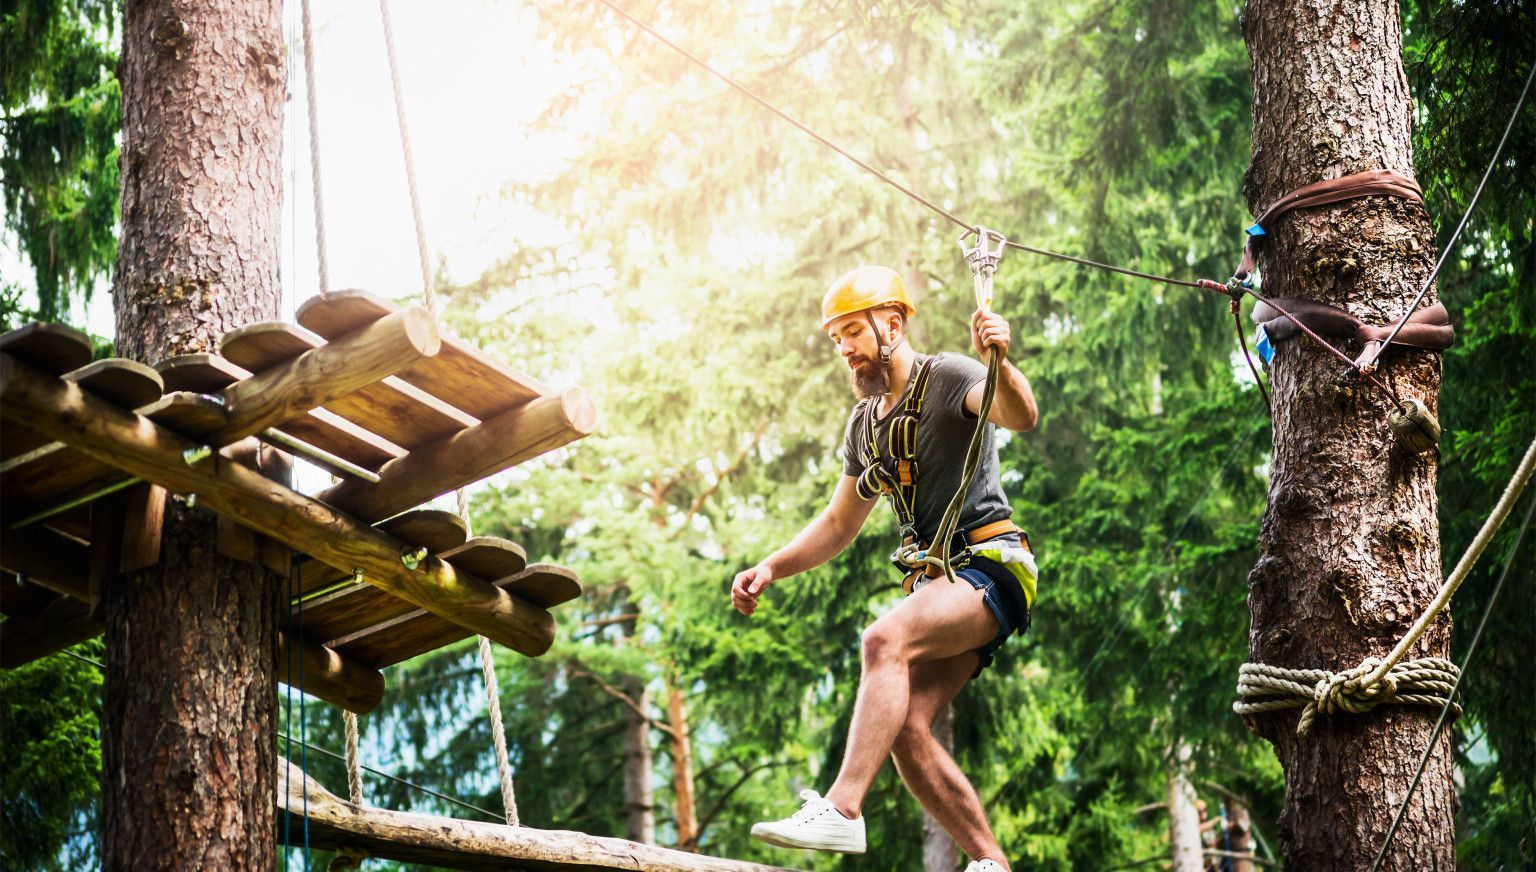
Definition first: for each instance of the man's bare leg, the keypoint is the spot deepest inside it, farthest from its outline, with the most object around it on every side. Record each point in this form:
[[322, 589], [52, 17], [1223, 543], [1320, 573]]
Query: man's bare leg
[[930, 772], [941, 621]]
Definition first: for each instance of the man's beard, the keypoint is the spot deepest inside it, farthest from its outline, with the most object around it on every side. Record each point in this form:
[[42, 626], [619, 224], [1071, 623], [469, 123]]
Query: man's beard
[[869, 378]]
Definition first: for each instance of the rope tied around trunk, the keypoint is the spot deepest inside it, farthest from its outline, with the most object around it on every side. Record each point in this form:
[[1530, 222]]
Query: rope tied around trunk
[[1264, 688], [1379, 681]]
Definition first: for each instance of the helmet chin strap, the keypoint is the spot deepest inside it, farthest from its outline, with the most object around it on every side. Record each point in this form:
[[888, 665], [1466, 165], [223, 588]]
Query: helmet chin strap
[[884, 351]]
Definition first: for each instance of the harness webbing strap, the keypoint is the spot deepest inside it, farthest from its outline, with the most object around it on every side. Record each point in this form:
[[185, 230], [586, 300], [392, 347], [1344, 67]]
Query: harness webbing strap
[[901, 484]]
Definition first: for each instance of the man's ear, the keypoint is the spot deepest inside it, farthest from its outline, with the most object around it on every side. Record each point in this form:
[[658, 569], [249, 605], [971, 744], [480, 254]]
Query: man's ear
[[895, 324]]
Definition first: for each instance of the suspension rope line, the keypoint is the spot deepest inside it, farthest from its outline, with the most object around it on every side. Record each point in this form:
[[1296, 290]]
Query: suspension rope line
[[1429, 681], [1445, 710], [861, 164], [1450, 245], [427, 290], [314, 151], [329, 753], [398, 780]]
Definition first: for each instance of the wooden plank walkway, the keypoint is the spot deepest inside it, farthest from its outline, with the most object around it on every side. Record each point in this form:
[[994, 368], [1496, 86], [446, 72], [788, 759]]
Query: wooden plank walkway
[[369, 383], [458, 844]]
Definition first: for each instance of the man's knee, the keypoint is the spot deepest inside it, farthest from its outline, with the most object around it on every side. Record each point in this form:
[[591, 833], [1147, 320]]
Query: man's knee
[[881, 645]]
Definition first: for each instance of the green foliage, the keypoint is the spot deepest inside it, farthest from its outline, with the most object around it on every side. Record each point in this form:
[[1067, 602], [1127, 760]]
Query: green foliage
[[58, 142], [50, 756]]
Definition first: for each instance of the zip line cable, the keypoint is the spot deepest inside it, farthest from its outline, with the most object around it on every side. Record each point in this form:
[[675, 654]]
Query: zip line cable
[[861, 164], [1445, 252], [329, 753], [1466, 661]]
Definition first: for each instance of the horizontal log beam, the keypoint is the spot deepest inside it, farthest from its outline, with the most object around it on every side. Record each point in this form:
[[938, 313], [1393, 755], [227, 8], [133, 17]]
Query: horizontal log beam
[[139, 447], [323, 673], [327, 373], [460, 844], [61, 623], [468, 456], [50, 559]]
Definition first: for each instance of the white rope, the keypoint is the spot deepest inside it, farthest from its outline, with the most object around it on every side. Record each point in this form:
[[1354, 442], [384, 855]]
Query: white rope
[[314, 153], [493, 698], [354, 767], [428, 292], [498, 733], [1379, 681]]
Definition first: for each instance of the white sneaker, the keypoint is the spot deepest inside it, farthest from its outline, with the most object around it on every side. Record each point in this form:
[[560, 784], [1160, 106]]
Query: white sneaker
[[985, 866], [817, 826]]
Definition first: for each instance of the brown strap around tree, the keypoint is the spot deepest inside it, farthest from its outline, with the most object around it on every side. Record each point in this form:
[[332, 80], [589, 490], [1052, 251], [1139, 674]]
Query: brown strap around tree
[[1373, 183]]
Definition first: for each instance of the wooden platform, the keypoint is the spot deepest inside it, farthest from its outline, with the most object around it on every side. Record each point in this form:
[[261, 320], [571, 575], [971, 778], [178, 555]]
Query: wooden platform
[[373, 387], [458, 844]]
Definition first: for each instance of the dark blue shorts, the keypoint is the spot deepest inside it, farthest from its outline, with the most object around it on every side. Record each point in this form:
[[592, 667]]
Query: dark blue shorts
[[1004, 598]]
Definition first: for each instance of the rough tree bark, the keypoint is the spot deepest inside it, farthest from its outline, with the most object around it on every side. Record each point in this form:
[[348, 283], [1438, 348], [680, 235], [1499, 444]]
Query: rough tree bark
[[1349, 547], [190, 695], [639, 809], [682, 769]]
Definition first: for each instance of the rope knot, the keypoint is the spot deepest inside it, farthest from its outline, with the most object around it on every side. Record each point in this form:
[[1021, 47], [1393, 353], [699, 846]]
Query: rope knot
[[1263, 688]]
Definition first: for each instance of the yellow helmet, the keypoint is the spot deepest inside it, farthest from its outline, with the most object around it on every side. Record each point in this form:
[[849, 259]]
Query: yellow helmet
[[864, 288]]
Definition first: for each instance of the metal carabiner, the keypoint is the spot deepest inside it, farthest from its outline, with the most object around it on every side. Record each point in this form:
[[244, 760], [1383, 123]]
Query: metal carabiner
[[983, 259]]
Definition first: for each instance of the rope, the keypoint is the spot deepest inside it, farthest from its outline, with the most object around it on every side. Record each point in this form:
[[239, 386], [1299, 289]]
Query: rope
[[1434, 735], [1263, 688], [1379, 681], [498, 734], [314, 153], [398, 780], [937, 209], [428, 292], [354, 772], [493, 700], [1450, 245], [1242, 342]]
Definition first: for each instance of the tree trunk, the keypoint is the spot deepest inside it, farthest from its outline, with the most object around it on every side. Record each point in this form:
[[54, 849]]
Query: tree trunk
[[1183, 823], [682, 770], [939, 851], [190, 694], [1239, 835], [1349, 547], [639, 811]]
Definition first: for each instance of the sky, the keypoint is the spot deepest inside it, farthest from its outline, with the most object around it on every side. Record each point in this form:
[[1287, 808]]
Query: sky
[[473, 80]]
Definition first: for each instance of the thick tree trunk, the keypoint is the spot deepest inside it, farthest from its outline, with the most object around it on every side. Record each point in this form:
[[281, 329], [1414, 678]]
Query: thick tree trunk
[[939, 850], [1184, 847], [1239, 835], [682, 770], [190, 694], [1349, 548], [639, 810]]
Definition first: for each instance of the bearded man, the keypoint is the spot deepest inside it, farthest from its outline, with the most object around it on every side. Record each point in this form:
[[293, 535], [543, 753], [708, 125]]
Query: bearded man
[[906, 438]]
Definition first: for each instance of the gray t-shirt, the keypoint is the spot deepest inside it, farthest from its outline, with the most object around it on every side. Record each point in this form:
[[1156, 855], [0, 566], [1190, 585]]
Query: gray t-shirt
[[943, 432]]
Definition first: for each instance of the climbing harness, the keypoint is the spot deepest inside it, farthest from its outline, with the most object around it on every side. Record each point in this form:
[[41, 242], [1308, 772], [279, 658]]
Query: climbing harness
[[1377, 681]]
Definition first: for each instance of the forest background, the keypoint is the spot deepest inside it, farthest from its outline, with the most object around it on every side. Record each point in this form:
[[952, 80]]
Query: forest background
[[693, 236]]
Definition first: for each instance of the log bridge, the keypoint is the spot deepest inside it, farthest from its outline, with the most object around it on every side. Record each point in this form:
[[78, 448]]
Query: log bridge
[[90, 452]]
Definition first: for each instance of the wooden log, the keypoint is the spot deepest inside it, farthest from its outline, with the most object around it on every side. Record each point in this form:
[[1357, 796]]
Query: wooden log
[[55, 561], [325, 374], [20, 597], [135, 444], [347, 610], [53, 348], [125, 383], [142, 526], [490, 447], [416, 632], [457, 844], [460, 374], [436, 530], [64, 622], [323, 673], [330, 432]]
